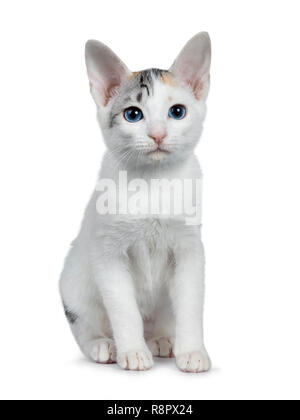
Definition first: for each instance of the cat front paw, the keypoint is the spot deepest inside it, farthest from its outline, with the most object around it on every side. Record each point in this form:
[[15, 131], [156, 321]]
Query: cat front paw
[[195, 362], [161, 347], [135, 360]]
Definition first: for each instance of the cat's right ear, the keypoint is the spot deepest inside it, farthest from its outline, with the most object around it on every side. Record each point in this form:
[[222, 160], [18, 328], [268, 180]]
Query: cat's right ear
[[105, 70]]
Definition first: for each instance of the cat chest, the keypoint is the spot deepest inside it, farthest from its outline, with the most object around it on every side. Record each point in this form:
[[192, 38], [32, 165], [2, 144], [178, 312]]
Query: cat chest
[[149, 258]]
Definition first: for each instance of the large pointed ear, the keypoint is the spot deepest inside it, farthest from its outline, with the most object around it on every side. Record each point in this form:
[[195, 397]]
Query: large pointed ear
[[105, 70], [193, 65]]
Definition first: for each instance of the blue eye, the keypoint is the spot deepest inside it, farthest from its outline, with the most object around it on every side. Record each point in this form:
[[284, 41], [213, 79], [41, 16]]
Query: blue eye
[[133, 114], [178, 112]]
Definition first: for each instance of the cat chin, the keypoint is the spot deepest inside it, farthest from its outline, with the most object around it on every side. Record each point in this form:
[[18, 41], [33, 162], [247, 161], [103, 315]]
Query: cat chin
[[158, 155]]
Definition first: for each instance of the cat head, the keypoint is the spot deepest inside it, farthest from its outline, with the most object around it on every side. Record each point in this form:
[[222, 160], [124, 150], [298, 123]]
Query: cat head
[[154, 115]]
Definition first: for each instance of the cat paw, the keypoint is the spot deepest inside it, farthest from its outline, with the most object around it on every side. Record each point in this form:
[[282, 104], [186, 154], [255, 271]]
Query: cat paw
[[195, 362], [136, 360], [161, 347], [103, 351]]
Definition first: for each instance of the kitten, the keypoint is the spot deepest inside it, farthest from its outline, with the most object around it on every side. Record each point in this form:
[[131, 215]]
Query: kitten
[[133, 288]]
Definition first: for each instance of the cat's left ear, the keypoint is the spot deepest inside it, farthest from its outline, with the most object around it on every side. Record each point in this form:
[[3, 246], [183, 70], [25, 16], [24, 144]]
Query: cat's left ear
[[193, 65], [105, 70]]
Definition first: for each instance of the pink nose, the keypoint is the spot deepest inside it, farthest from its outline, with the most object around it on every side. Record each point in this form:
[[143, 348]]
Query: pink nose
[[158, 138]]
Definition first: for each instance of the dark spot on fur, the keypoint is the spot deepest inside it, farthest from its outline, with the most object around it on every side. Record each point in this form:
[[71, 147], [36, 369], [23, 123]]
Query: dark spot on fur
[[143, 84], [71, 316], [113, 121], [139, 97], [147, 78], [159, 73]]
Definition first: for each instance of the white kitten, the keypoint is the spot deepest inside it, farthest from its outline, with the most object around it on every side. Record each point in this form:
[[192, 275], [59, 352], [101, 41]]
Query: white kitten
[[134, 287]]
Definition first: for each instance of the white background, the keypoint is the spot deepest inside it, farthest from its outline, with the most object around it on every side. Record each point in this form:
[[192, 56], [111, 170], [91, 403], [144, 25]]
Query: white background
[[51, 150]]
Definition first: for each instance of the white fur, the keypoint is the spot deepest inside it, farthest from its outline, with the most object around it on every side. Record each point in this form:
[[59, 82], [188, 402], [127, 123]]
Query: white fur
[[132, 281]]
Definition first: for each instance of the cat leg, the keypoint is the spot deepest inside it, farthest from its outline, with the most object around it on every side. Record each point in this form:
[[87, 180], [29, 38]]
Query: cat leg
[[85, 311], [91, 331], [117, 290], [187, 292]]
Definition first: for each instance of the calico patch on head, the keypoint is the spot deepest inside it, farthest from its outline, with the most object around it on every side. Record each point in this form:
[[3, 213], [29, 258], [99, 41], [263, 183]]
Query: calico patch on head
[[146, 80]]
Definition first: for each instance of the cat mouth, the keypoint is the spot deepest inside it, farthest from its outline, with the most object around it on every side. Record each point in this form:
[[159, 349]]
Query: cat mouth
[[158, 151]]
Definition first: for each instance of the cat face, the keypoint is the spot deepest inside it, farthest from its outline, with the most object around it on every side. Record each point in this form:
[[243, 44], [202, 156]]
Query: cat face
[[154, 115]]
